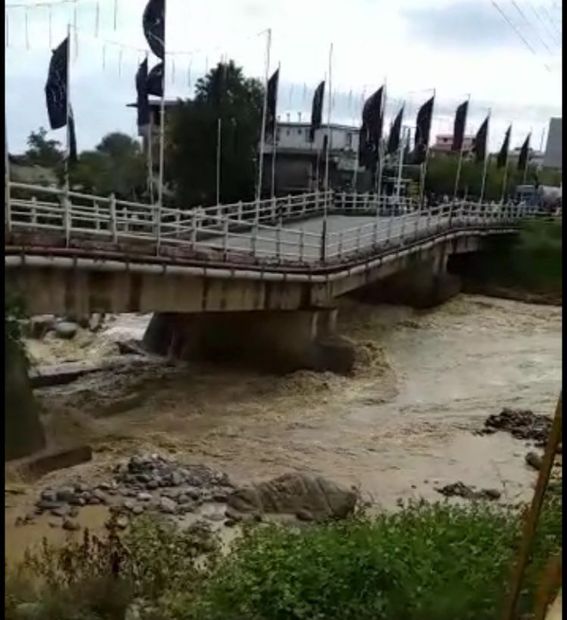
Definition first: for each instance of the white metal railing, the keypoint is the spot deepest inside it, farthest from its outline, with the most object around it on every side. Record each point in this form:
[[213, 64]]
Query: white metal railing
[[251, 231]]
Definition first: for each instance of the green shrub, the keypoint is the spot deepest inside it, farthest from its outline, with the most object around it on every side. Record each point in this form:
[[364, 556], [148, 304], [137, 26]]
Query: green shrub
[[423, 562]]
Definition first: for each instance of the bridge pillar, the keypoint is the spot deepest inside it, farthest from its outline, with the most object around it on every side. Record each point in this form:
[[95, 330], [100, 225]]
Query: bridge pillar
[[422, 284], [275, 341]]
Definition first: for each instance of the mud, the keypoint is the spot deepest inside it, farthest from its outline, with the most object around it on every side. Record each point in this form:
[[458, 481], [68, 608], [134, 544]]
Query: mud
[[400, 428]]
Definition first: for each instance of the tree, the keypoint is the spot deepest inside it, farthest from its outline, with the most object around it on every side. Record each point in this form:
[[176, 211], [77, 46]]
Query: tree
[[117, 166], [225, 94], [43, 152]]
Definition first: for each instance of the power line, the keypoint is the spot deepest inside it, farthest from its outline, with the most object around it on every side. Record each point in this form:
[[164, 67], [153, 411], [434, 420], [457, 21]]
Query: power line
[[551, 22], [518, 33], [546, 26], [523, 15]]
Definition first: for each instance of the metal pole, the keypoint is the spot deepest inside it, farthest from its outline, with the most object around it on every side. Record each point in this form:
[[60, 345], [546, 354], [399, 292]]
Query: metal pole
[[264, 112], [505, 175], [274, 143], [403, 137], [460, 164], [68, 110], [533, 513], [219, 135], [161, 141], [7, 212], [329, 145], [486, 162]]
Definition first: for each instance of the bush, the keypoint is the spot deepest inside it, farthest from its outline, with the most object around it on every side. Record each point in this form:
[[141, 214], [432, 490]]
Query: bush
[[424, 562]]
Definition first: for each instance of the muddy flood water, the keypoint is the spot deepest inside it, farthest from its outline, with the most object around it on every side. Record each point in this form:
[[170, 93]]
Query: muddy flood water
[[400, 427]]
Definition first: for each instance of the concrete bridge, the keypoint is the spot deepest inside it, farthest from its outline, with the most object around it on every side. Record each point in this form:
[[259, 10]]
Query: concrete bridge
[[254, 280]]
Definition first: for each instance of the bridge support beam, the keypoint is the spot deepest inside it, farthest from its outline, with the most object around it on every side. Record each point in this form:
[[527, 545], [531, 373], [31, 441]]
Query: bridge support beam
[[275, 341], [423, 284]]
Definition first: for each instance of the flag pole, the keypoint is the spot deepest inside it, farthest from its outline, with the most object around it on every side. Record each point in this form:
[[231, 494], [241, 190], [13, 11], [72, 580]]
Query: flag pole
[[274, 140], [403, 137], [264, 112], [424, 165], [381, 146], [162, 132], [505, 175], [328, 150], [219, 137], [68, 112], [460, 164], [486, 161]]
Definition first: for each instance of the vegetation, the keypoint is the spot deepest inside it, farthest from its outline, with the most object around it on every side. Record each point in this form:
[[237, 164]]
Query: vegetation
[[225, 94], [530, 262], [424, 562]]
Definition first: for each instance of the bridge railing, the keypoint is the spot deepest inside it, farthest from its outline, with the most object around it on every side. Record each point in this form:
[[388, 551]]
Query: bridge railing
[[248, 232]]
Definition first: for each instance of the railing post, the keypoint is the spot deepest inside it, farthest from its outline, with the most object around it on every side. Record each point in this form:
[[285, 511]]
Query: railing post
[[257, 214], [239, 211], [375, 242], [289, 205], [278, 242], [340, 245], [225, 237], [389, 229], [365, 203], [67, 217], [274, 209], [358, 239], [301, 244], [403, 229], [97, 215], [7, 199], [113, 218], [343, 201], [254, 239], [195, 225], [158, 228], [34, 210]]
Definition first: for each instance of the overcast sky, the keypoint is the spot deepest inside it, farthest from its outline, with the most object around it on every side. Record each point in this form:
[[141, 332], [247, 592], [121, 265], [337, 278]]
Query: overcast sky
[[458, 47]]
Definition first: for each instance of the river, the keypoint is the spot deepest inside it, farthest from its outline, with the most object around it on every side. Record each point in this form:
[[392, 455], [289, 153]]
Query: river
[[400, 427]]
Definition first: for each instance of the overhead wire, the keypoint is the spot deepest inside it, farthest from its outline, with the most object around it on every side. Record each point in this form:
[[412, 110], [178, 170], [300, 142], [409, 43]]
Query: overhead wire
[[523, 16]]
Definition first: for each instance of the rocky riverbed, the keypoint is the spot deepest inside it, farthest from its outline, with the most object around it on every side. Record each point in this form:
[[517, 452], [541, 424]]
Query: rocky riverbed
[[404, 426]]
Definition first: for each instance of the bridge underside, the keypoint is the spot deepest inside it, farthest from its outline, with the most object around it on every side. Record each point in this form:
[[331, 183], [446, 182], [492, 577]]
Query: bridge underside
[[72, 285]]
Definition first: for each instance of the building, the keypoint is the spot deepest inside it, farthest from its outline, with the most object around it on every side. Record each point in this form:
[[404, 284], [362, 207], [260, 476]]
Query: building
[[300, 163], [444, 141], [553, 157]]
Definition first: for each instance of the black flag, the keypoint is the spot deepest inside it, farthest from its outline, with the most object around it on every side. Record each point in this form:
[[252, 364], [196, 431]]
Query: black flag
[[155, 81], [153, 22], [524, 152], [502, 158], [317, 110], [422, 130], [362, 145], [272, 102], [56, 96], [480, 141], [395, 133], [142, 91], [459, 126], [372, 117], [56, 86]]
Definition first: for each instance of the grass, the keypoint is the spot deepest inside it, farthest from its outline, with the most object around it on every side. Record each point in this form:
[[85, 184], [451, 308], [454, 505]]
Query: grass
[[424, 562]]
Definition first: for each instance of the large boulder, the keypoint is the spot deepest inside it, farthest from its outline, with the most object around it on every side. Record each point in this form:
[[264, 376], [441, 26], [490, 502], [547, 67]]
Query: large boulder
[[297, 494], [66, 329]]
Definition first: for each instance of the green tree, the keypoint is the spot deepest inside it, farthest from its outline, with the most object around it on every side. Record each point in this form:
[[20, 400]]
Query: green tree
[[117, 165], [43, 152], [225, 94]]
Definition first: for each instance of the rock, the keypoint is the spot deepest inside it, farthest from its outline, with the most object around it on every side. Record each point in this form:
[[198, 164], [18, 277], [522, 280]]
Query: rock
[[66, 494], [144, 497], [177, 479], [232, 514], [49, 495], [66, 329], [459, 489], [100, 495], [192, 492], [492, 494], [214, 516], [304, 515], [534, 460], [167, 506], [128, 504], [293, 492], [73, 512], [78, 501], [230, 522], [138, 509], [106, 486], [62, 511], [29, 611], [39, 325], [43, 504], [122, 522], [151, 485], [96, 321], [81, 487], [186, 507], [71, 526], [54, 523], [171, 493], [220, 496], [521, 424]]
